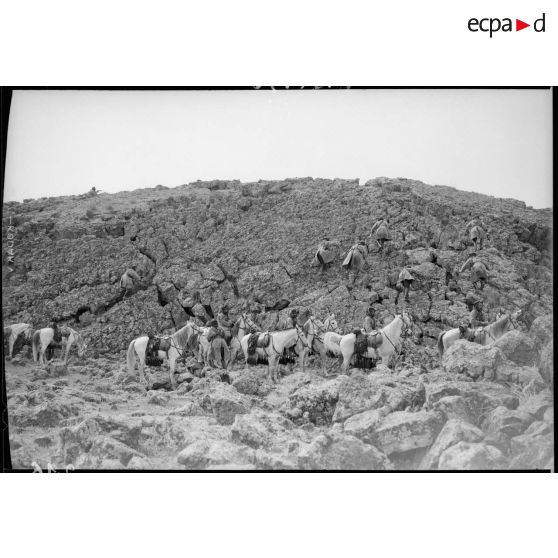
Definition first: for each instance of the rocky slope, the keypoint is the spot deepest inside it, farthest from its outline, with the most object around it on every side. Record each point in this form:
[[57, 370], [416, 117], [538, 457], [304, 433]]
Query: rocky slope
[[234, 242]]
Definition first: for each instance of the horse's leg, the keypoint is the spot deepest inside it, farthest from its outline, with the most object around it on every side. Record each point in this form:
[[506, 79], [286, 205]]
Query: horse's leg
[[11, 342], [141, 369], [172, 365]]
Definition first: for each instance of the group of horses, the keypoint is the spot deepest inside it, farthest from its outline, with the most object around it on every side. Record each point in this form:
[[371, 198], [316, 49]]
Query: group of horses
[[321, 338], [314, 336], [41, 339]]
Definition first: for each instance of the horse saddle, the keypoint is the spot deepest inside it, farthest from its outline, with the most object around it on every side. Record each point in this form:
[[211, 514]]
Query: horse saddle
[[156, 344], [361, 342], [374, 339], [258, 341]]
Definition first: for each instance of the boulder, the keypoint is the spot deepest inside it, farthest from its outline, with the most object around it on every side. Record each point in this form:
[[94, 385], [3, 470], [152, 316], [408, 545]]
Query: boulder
[[473, 360], [251, 383], [226, 403], [206, 453], [334, 450], [466, 456], [260, 428], [517, 347], [359, 392], [57, 368], [313, 403], [404, 431], [542, 330], [157, 398], [363, 425], [107, 447], [454, 407], [454, 431], [537, 404], [47, 414], [501, 424], [532, 450]]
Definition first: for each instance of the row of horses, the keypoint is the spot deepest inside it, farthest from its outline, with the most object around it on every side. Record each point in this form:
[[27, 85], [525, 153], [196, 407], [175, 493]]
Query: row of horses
[[321, 338], [42, 338]]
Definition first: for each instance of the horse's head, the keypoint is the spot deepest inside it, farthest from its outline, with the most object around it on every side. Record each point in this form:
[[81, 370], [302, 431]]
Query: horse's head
[[331, 324], [467, 333]]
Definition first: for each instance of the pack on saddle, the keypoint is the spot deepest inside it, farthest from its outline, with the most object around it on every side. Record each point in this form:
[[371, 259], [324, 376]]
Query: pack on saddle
[[154, 345], [257, 340], [363, 342]]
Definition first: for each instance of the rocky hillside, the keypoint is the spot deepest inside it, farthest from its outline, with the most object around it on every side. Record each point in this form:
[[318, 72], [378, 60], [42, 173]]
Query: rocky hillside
[[482, 407], [242, 242]]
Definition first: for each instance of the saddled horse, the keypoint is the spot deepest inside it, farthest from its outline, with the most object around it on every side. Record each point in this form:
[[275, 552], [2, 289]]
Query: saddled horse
[[176, 345], [239, 330], [14, 331], [447, 338], [277, 342], [504, 322], [315, 332], [391, 336], [42, 338]]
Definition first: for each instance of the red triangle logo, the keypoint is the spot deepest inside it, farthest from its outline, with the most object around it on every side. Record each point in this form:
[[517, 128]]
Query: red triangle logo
[[519, 25]]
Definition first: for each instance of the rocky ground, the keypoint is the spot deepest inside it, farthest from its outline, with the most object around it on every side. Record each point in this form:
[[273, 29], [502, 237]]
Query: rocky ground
[[481, 407], [492, 413]]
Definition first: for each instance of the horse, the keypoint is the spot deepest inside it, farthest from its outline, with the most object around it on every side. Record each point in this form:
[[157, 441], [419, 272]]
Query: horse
[[356, 259], [391, 340], [278, 342], [14, 331], [239, 329], [185, 339], [447, 338], [42, 338], [315, 332], [490, 333]]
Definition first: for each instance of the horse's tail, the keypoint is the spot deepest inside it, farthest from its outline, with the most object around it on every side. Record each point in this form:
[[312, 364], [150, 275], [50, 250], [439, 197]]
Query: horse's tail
[[131, 357], [35, 345], [441, 343]]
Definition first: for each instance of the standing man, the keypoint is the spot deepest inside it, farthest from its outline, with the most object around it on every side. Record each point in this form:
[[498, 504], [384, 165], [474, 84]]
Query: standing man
[[225, 322]]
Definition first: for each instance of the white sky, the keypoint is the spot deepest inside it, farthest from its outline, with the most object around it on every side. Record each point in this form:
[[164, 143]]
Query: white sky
[[497, 142]]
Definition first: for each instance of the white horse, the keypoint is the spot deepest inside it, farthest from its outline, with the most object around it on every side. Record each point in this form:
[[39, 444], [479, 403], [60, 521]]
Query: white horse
[[447, 338], [42, 338], [391, 341], [315, 332], [14, 331], [278, 342], [185, 339], [241, 326], [490, 333]]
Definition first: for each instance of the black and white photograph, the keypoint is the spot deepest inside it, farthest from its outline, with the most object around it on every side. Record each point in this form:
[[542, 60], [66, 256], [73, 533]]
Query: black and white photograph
[[278, 279]]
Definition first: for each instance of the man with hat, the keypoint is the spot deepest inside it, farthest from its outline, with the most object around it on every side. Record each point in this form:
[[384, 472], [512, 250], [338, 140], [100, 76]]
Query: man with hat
[[370, 322], [225, 322]]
